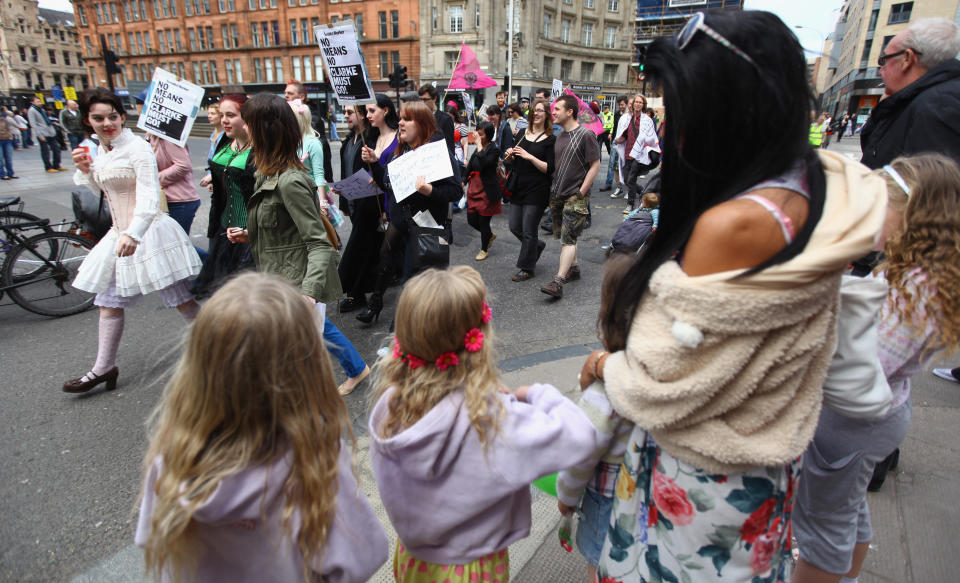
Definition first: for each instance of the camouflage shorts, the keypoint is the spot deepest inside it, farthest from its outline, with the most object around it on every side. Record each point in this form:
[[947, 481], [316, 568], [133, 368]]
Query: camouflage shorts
[[569, 217]]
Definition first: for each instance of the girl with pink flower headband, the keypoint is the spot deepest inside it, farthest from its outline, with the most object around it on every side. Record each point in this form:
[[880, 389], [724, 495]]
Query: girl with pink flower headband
[[453, 451]]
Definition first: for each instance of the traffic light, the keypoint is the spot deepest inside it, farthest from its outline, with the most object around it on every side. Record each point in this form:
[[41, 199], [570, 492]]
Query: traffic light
[[398, 79], [641, 58], [110, 62]]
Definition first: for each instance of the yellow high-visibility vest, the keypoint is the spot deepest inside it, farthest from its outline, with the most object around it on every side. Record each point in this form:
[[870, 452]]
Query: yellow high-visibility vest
[[816, 135], [607, 121]]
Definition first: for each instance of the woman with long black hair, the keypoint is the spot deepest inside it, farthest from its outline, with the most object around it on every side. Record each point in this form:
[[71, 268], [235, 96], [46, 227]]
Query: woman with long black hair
[[417, 127], [730, 316], [358, 266], [483, 192]]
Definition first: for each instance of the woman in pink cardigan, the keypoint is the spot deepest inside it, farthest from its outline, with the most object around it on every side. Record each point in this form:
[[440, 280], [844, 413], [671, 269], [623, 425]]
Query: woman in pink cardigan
[[176, 181]]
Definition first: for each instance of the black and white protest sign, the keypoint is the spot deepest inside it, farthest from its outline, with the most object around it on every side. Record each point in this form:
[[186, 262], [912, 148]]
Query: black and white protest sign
[[170, 108], [344, 63]]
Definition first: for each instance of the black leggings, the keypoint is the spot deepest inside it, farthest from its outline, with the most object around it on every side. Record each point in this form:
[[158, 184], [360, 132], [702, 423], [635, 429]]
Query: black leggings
[[482, 224], [392, 255]]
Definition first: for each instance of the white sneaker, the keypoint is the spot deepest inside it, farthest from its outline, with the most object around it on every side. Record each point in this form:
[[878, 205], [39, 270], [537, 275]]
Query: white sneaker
[[944, 373], [616, 193]]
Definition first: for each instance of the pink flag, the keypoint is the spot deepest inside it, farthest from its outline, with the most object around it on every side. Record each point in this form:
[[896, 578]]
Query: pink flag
[[467, 74], [586, 117]]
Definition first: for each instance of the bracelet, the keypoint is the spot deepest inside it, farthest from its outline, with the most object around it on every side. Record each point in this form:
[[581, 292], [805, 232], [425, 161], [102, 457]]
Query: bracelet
[[596, 364]]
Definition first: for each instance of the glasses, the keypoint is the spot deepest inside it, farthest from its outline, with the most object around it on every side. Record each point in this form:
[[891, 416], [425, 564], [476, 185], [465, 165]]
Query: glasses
[[696, 23], [884, 58], [426, 98]]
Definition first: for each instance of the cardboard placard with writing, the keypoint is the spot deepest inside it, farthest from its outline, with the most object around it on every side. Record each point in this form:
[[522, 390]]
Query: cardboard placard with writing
[[343, 60], [170, 107]]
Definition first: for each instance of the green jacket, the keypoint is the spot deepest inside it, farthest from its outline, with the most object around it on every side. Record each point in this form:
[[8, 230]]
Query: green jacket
[[287, 236]]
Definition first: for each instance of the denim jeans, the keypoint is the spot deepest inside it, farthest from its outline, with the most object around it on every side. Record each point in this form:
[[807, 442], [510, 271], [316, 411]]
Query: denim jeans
[[75, 140], [50, 153], [523, 225], [342, 349], [612, 166], [6, 158], [183, 213]]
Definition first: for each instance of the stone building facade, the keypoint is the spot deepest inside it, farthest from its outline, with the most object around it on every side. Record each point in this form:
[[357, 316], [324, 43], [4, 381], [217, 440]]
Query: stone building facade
[[40, 50]]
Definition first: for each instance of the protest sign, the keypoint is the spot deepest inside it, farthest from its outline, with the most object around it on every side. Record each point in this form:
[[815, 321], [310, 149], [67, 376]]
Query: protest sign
[[344, 63], [70, 93], [170, 107], [432, 161], [557, 90], [357, 185]]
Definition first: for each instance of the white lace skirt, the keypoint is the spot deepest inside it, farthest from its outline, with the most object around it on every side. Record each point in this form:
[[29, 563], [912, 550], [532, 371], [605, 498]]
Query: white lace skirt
[[164, 257]]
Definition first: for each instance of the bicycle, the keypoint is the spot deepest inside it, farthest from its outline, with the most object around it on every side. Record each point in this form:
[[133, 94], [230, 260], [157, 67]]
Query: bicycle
[[11, 212], [38, 270]]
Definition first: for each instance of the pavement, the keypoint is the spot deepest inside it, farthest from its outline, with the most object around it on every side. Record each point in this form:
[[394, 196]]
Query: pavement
[[71, 466]]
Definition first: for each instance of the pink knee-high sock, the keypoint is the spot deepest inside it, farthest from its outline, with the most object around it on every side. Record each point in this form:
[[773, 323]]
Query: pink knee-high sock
[[189, 310], [110, 331]]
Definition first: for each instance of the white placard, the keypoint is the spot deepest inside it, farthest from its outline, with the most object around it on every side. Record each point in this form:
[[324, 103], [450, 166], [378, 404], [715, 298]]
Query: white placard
[[432, 161], [170, 108], [557, 90], [343, 60]]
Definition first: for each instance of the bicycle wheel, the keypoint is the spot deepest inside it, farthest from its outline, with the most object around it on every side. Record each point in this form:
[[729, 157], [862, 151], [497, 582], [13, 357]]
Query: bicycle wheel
[[10, 217], [38, 274]]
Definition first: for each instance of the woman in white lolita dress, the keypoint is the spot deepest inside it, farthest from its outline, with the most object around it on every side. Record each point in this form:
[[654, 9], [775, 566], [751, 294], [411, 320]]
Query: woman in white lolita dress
[[146, 251]]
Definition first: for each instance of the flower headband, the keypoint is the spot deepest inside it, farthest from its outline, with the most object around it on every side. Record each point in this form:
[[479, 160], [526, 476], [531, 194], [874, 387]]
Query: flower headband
[[298, 106], [473, 342], [898, 179]]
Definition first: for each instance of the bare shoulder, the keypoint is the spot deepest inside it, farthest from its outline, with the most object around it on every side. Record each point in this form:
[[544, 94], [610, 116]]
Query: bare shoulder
[[737, 234]]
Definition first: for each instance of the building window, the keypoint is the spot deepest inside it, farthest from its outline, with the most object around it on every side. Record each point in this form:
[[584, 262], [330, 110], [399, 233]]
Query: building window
[[566, 69], [257, 71], [450, 60], [476, 14], [140, 43], [56, 79], [394, 60], [268, 65], [66, 58], [146, 41], [188, 10], [384, 64], [307, 69], [318, 62], [294, 37], [235, 35], [588, 3], [866, 52], [176, 38], [113, 12], [192, 36], [613, 5], [23, 51], [275, 27], [267, 39], [548, 67], [96, 8], [610, 37], [82, 14], [210, 38], [34, 55], [874, 17], [394, 24], [161, 41], [565, 30], [296, 67], [196, 73], [900, 13], [358, 21], [610, 73], [456, 19], [53, 56], [383, 24], [238, 70], [228, 67], [255, 33], [304, 31], [586, 71], [205, 71], [588, 34], [433, 18], [278, 65], [547, 24]]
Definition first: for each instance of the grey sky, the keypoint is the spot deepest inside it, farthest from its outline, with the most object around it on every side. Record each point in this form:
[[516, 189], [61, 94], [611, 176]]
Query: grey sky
[[819, 15]]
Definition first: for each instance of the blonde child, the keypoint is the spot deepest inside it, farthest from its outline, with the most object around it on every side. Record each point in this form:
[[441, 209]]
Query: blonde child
[[589, 487], [453, 454], [918, 317], [248, 477]]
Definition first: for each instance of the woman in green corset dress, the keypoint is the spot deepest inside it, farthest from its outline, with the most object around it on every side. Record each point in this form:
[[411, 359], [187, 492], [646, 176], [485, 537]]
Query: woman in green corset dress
[[232, 174]]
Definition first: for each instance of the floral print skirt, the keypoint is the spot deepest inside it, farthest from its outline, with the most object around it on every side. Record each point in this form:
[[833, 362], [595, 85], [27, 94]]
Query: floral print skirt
[[493, 568], [674, 523]]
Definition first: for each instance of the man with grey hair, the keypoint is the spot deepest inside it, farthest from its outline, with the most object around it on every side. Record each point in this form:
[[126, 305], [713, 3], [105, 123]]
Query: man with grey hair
[[70, 120], [920, 109]]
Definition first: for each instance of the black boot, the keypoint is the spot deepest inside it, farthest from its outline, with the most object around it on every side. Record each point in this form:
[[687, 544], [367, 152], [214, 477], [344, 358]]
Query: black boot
[[372, 311], [889, 463]]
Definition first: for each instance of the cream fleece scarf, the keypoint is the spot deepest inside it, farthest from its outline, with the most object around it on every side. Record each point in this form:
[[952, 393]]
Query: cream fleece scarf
[[727, 374]]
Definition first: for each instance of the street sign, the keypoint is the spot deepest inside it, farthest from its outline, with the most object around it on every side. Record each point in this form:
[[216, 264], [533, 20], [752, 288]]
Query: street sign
[[70, 93]]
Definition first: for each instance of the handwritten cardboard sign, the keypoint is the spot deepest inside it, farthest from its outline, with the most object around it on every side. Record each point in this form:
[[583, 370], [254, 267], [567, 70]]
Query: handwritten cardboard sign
[[432, 161], [357, 185]]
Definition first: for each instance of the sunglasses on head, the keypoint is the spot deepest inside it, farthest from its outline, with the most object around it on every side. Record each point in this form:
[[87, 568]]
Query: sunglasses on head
[[696, 23]]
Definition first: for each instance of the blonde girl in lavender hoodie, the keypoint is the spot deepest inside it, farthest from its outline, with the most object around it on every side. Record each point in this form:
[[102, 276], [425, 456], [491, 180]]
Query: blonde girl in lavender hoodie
[[453, 452], [248, 477]]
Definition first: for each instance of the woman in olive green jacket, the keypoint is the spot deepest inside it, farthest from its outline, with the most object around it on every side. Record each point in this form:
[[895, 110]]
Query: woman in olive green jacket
[[284, 225]]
